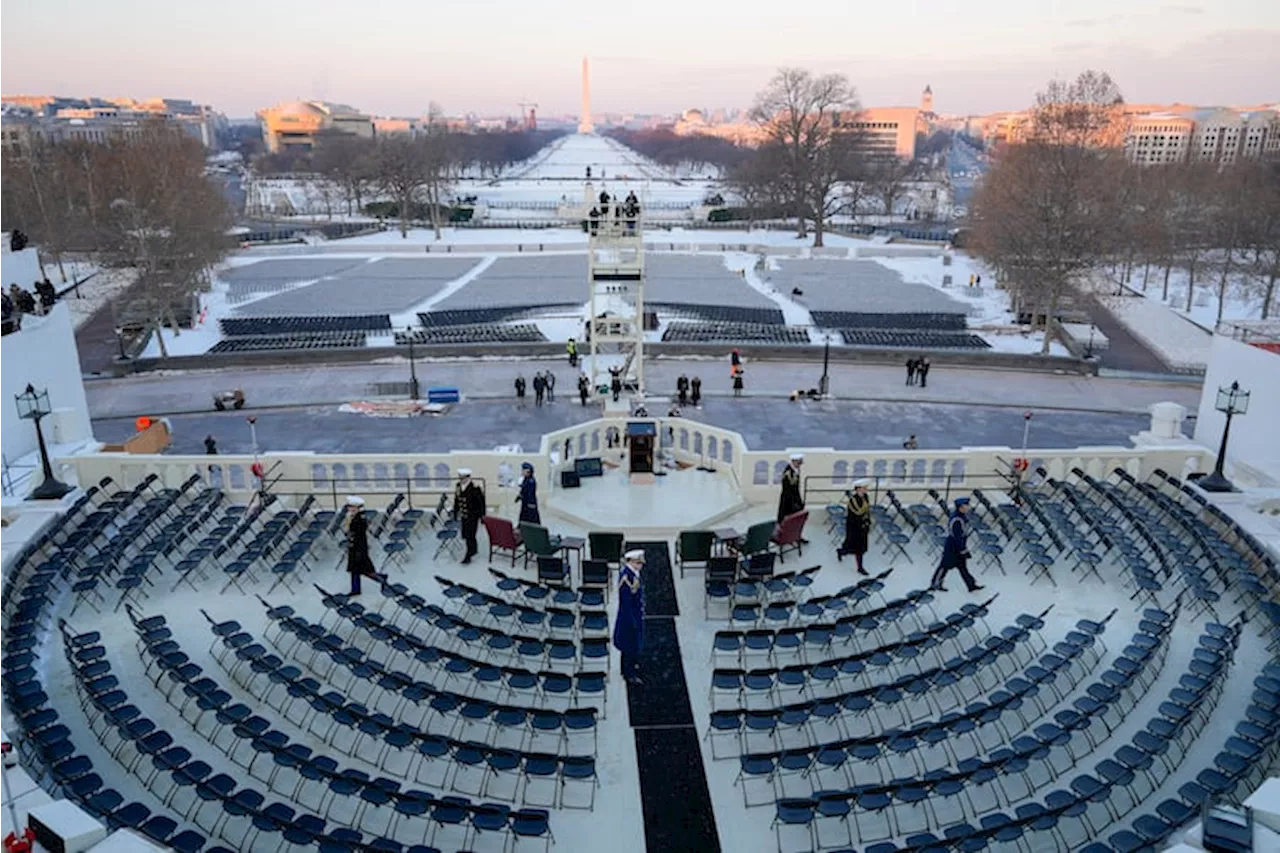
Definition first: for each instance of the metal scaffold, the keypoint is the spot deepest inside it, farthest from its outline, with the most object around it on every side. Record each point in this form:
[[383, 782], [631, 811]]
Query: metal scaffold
[[615, 271]]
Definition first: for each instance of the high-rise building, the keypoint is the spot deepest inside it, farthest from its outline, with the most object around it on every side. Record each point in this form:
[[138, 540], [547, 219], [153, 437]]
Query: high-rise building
[[1158, 138]]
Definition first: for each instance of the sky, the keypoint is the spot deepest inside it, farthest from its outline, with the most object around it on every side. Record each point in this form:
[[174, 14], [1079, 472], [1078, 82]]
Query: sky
[[394, 57]]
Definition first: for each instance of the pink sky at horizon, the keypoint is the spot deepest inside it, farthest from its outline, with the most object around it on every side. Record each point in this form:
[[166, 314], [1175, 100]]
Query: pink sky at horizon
[[396, 56]]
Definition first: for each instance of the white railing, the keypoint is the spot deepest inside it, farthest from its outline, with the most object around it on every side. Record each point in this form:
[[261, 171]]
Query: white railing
[[757, 473]]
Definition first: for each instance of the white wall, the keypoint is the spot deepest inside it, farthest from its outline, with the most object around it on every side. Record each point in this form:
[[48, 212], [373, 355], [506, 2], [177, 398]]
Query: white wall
[[20, 268], [44, 354], [1253, 451]]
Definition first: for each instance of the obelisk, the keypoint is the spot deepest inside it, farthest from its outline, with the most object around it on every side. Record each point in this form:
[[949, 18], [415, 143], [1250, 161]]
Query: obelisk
[[584, 124]]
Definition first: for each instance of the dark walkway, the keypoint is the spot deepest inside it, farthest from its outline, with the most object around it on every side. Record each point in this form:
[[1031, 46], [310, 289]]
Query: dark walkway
[[1124, 350], [678, 817], [97, 342]]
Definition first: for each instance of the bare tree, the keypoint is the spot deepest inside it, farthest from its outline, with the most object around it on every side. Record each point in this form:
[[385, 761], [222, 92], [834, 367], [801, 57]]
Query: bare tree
[[346, 160], [1262, 236], [1046, 212], [801, 114], [440, 160], [757, 180], [401, 168], [887, 179]]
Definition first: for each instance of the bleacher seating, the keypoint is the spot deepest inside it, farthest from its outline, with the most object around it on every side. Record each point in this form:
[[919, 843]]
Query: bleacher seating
[[912, 340], [474, 334], [902, 322], [721, 313], [482, 316], [253, 327], [726, 332], [295, 341]]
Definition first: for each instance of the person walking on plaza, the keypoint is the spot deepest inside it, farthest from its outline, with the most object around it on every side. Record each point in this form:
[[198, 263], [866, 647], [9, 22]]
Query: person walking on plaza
[[539, 388], [857, 524], [911, 371], [923, 369], [584, 388], [528, 498], [520, 391], [735, 358], [628, 627], [359, 563], [737, 380], [695, 390], [210, 445], [955, 551], [468, 508], [792, 499], [682, 389], [549, 379], [572, 348]]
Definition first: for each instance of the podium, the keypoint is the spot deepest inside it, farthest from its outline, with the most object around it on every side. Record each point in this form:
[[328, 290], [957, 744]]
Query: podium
[[642, 438]]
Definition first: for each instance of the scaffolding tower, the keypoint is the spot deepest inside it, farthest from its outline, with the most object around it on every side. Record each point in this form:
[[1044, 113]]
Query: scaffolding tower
[[615, 269]]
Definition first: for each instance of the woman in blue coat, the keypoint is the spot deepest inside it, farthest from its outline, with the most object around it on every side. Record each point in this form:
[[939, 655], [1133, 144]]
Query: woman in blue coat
[[528, 499], [628, 627]]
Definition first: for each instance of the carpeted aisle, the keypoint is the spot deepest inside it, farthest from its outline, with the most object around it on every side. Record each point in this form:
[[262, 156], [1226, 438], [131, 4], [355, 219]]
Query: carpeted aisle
[[673, 784]]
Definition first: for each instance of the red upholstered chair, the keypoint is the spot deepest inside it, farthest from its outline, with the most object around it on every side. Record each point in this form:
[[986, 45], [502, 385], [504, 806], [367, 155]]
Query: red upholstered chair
[[503, 537], [787, 535]]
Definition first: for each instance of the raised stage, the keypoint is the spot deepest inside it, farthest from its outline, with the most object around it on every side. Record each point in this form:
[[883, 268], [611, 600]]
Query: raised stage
[[680, 500]]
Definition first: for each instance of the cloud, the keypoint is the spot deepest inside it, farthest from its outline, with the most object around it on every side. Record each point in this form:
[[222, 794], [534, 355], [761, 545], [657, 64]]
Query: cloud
[[1182, 9]]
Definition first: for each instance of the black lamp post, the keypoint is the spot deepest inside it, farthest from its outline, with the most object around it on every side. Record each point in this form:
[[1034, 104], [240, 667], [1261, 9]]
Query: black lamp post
[[824, 382], [413, 370], [1231, 401], [33, 406]]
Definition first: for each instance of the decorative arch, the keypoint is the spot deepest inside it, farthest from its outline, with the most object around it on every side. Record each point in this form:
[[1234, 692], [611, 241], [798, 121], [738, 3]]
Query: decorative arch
[[839, 473], [938, 471], [360, 473], [381, 475], [880, 469], [760, 474], [684, 438], [778, 469], [422, 475], [319, 475], [957, 472], [340, 478], [712, 447], [443, 477], [726, 450], [900, 469]]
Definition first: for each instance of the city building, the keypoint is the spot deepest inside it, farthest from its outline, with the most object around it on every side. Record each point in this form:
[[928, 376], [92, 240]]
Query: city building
[[926, 100], [1158, 138], [1226, 135], [889, 131], [294, 124], [98, 119]]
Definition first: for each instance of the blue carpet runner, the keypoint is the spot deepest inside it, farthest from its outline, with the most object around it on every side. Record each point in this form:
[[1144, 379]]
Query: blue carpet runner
[[678, 817]]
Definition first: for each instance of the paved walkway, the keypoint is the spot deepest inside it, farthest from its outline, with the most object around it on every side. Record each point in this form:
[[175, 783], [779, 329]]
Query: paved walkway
[[764, 424], [164, 392]]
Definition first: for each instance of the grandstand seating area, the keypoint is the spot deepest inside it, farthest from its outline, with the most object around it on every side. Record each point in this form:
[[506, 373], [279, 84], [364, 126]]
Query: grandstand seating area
[[731, 333], [480, 316], [912, 340], [473, 334], [297, 341], [885, 723], [192, 668], [904, 321], [376, 723], [720, 313], [234, 327]]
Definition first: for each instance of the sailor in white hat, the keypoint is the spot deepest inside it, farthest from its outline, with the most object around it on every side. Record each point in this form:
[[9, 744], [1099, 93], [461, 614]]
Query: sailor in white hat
[[468, 508], [857, 523], [359, 563], [628, 627], [791, 500]]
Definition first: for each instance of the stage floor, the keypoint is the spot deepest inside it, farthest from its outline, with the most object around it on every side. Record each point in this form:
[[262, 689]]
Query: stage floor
[[681, 500]]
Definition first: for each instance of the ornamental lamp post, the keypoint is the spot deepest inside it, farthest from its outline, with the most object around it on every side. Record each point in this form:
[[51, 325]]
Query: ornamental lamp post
[[33, 406], [1231, 401], [824, 383], [413, 370]]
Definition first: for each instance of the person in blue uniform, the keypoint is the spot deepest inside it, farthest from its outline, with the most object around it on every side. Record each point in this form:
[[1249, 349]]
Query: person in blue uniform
[[528, 498], [628, 627], [955, 551], [857, 524], [791, 500]]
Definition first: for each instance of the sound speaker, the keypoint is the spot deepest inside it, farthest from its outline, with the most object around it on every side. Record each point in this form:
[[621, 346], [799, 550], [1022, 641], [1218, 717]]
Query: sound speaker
[[61, 827], [570, 480]]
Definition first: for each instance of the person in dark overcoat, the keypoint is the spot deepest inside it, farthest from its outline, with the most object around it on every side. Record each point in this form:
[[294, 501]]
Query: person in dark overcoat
[[695, 390], [468, 508], [857, 524], [628, 627], [528, 498], [791, 500], [359, 563], [955, 551]]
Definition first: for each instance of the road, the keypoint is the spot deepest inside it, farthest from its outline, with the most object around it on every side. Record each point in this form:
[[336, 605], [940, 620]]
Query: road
[[764, 423], [168, 392], [962, 164]]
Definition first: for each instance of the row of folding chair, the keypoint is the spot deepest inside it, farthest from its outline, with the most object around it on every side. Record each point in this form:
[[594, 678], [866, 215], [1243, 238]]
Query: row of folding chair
[[362, 798], [506, 684], [491, 612], [888, 807]]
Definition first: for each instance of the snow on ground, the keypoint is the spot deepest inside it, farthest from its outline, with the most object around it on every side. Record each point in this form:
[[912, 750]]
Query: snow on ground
[[98, 291], [1244, 300], [1180, 343]]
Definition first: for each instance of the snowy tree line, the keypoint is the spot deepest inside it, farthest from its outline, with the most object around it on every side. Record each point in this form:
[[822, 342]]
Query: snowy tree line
[[1065, 207]]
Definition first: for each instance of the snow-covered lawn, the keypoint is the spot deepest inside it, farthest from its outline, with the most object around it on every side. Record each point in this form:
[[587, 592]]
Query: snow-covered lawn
[[1244, 294]]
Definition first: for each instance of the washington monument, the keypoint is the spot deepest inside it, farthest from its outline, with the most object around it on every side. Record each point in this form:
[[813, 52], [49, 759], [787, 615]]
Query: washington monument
[[584, 124]]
